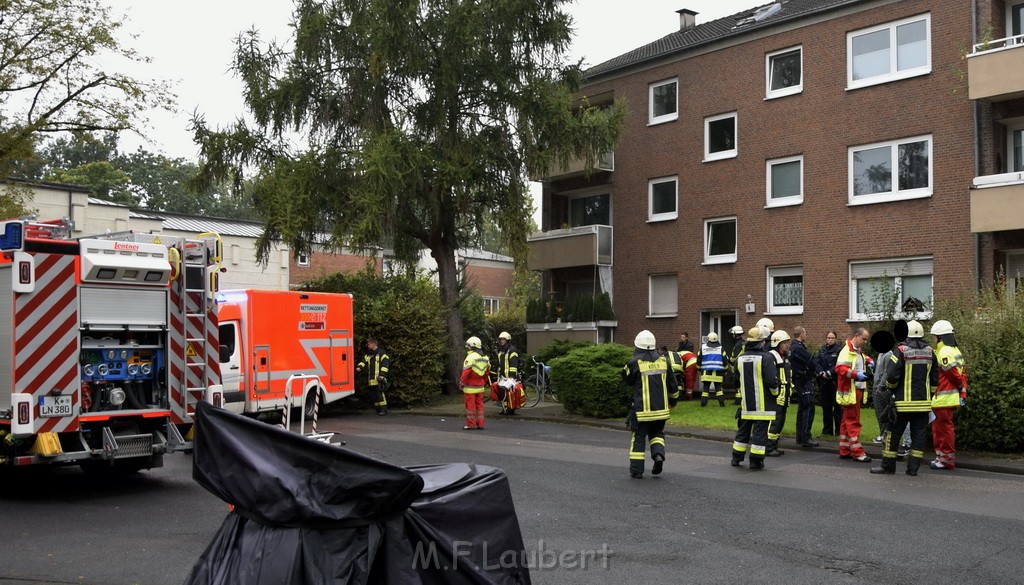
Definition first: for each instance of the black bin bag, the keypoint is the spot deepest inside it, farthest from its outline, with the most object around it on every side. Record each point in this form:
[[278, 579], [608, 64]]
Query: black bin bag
[[305, 512]]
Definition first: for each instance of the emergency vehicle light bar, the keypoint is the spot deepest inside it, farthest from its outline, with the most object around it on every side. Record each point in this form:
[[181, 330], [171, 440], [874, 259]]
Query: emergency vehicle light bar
[[106, 261]]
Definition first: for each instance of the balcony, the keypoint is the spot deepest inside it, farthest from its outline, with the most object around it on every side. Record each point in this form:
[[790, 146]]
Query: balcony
[[995, 70], [589, 245], [578, 167], [997, 203]]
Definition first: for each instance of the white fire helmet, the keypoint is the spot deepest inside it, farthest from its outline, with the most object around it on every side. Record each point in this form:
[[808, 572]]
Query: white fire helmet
[[645, 340]]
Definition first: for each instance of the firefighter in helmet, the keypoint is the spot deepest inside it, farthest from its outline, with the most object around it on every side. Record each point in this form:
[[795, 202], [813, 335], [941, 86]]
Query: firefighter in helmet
[[913, 378], [508, 367], [731, 351], [476, 377], [950, 394], [376, 363], [654, 387], [780, 342], [759, 387], [712, 369]]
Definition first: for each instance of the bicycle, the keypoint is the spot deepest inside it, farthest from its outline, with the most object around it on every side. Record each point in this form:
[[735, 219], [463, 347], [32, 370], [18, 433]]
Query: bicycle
[[538, 385]]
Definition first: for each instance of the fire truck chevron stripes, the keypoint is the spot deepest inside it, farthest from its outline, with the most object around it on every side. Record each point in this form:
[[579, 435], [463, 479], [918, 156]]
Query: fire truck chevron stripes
[[46, 340]]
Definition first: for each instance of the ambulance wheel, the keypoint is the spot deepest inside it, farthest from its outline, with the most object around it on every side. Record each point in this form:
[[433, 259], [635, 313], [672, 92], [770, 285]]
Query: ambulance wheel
[[310, 402]]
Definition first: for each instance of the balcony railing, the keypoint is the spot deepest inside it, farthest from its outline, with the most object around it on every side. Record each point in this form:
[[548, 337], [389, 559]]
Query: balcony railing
[[578, 166], [589, 245], [995, 70], [997, 203]]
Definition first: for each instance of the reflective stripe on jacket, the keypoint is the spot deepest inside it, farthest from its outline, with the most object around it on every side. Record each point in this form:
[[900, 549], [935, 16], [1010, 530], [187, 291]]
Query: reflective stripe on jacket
[[712, 363], [914, 375], [785, 382], [376, 365], [476, 370], [508, 361], [654, 385], [759, 383]]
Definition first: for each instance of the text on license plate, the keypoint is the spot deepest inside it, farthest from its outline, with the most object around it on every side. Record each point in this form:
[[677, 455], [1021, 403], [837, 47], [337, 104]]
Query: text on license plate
[[52, 406]]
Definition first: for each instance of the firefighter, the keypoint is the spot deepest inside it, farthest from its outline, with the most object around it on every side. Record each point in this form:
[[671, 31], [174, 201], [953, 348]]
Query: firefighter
[[759, 387], [712, 367], [850, 374], [508, 367], [476, 376], [654, 392], [376, 363], [914, 376], [731, 380], [950, 394], [684, 366], [780, 352]]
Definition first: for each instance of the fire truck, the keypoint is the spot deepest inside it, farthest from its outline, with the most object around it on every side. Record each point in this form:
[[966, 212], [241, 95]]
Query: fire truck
[[112, 342], [282, 349]]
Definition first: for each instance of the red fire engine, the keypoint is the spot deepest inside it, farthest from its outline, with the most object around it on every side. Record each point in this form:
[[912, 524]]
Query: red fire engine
[[112, 342]]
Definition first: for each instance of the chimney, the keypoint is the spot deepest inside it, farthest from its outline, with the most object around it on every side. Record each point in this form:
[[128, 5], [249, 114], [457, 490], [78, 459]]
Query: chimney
[[687, 19]]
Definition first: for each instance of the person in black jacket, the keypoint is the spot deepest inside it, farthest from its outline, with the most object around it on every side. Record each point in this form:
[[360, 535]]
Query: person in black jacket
[[825, 367], [804, 372]]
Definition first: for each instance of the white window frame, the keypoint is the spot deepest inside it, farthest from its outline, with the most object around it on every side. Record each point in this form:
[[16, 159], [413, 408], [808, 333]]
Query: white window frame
[[303, 259], [670, 306], [491, 305], [1014, 258], [1010, 5], [774, 272], [720, 258], [1010, 129], [789, 199], [895, 194], [896, 268], [708, 155], [893, 74], [651, 118], [653, 217], [769, 93]]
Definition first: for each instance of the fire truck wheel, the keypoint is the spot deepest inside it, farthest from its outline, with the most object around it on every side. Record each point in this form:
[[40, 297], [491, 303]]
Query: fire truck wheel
[[310, 398]]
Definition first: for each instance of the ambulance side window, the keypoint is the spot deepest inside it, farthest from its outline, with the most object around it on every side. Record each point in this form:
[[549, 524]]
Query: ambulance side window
[[227, 342]]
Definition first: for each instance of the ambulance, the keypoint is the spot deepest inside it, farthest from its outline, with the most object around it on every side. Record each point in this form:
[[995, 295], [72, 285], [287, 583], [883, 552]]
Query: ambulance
[[282, 349]]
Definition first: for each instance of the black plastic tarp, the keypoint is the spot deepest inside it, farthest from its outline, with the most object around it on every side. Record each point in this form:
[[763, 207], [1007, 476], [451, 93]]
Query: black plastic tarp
[[304, 512]]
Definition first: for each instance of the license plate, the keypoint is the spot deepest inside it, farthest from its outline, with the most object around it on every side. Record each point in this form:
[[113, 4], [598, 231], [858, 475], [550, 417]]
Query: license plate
[[54, 406]]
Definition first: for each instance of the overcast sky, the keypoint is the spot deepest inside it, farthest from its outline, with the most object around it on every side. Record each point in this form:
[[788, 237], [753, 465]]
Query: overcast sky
[[191, 43]]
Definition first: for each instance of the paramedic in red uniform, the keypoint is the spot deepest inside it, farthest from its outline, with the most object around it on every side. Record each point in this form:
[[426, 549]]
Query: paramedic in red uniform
[[476, 376], [851, 376]]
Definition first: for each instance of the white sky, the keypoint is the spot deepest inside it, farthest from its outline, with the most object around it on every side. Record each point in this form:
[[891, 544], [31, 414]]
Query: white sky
[[191, 43]]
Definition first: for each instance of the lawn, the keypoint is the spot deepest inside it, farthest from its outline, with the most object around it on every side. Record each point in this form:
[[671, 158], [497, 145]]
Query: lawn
[[690, 414]]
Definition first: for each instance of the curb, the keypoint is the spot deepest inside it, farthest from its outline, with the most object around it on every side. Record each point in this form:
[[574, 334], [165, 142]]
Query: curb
[[992, 466]]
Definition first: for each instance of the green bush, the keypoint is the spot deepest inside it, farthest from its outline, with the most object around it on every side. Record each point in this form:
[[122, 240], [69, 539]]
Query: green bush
[[404, 314], [989, 328], [588, 380], [559, 348]]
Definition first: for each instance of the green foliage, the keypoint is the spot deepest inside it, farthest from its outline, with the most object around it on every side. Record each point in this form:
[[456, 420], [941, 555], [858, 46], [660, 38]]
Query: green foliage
[[588, 380], [423, 123], [52, 77], [559, 348], [510, 320], [989, 328], [405, 316], [536, 310]]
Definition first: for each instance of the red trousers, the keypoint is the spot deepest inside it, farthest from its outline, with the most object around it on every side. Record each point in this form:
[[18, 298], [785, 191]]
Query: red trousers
[[849, 429], [944, 437], [474, 409]]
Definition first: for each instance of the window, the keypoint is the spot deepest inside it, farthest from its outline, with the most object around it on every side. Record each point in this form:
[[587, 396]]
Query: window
[[891, 171], [1014, 273], [901, 288], [1015, 19], [870, 58], [303, 259], [785, 181], [664, 298], [1015, 148], [491, 305], [720, 240], [663, 102], [590, 210], [786, 290], [784, 73], [720, 137], [661, 199]]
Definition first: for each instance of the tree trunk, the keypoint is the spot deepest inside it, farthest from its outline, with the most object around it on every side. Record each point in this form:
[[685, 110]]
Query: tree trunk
[[448, 283]]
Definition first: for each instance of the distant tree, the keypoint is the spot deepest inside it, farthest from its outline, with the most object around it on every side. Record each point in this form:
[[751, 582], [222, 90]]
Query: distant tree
[[52, 79], [422, 120], [102, 178]]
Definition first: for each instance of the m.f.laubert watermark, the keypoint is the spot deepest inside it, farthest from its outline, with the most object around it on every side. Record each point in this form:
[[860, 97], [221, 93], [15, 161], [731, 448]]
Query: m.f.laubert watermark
[[466, 552]]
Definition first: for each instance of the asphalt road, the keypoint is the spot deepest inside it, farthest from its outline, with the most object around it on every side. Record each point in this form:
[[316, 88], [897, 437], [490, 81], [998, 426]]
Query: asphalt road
[[808, 518]]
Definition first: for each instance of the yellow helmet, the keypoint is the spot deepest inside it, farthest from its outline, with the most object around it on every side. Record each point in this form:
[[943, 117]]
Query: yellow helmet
[[755, 334], [505, 335], [712, 337], [778, 337]]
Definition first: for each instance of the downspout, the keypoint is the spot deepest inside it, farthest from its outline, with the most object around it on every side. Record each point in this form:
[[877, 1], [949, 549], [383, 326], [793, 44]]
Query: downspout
[[977, 151]]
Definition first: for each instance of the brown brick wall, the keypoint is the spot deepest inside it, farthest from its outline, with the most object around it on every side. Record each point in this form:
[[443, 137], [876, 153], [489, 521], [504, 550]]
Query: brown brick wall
[[489, 281], [824, 233]]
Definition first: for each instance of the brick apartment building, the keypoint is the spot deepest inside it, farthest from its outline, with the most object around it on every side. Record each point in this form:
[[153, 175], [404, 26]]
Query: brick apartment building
[[809, 160]]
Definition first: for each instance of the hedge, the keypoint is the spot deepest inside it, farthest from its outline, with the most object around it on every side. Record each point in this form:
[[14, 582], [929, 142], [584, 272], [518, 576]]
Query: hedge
[[588, 380]]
